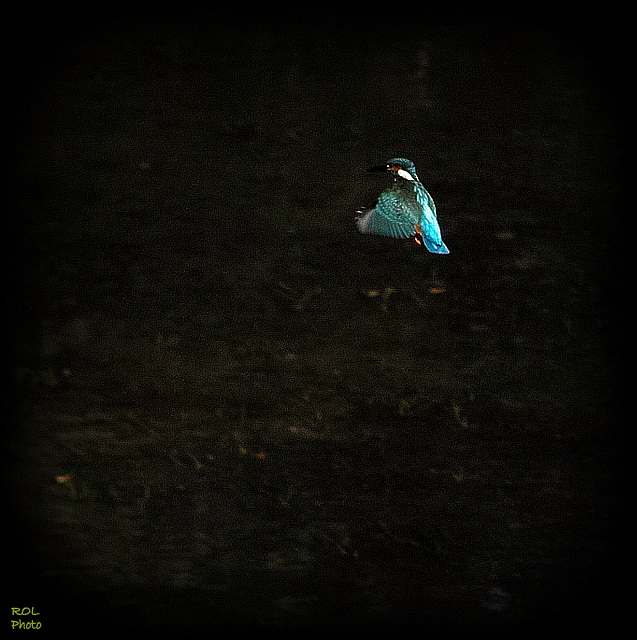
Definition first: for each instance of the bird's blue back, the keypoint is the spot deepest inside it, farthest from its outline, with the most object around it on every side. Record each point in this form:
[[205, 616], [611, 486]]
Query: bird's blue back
[[430, 229]]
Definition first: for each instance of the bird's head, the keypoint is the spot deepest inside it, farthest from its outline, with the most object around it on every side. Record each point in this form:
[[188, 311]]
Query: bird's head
[[399, 167]]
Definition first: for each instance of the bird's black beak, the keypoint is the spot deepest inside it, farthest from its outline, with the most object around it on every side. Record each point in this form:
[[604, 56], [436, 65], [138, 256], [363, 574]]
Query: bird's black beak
[[380, 167]]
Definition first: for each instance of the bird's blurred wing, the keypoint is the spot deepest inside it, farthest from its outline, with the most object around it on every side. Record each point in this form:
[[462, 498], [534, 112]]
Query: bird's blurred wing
[[388, 218]]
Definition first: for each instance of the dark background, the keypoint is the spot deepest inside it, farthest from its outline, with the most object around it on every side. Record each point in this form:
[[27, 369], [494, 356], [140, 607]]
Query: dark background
[[266, 420]]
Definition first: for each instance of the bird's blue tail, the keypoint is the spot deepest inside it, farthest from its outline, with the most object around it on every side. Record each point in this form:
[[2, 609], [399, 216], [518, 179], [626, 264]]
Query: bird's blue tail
[[435, 248]]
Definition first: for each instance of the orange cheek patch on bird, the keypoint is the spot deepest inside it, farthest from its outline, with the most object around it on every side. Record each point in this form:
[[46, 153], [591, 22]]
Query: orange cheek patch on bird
[[405, 175]]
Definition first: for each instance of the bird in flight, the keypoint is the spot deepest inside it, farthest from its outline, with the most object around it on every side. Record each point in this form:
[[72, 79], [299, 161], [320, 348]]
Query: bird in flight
[[404, 210]]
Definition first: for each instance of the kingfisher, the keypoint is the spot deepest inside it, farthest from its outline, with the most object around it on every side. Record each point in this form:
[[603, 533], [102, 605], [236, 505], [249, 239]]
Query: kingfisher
[[404, 210]]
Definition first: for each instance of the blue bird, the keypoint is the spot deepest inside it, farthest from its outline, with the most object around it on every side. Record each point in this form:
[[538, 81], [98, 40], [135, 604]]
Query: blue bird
[[404, 210]]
